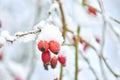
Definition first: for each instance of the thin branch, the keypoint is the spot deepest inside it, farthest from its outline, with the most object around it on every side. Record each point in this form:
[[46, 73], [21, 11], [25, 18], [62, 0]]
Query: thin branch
[[76, 53], [27, 33], [64, 27], [114, 31], [117, 21], [115, 74], [91, 68], [24, 34]]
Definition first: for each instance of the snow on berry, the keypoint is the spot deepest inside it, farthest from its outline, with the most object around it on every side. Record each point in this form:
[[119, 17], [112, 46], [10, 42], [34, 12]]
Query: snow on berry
[[54, 46], [50, 32], [43, 46], [46, 57]]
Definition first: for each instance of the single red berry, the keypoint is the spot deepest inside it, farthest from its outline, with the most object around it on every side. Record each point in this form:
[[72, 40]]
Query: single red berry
[[81, 40], [46, 57], [53, 62], [92, 10], [54, 46], [62, 59], [85, 47], [18, 78], [73, 38], [43, 46], [97, 39]]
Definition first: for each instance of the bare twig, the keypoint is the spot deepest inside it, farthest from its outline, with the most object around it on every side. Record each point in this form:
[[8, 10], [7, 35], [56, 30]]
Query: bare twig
[[76, 53], [91, 68], [27, 33], [117, 21], [64, 27], [115, 74], [24, 34]]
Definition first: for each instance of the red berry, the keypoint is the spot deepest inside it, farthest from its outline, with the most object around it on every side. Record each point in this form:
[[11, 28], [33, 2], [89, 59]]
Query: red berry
[[62, 59], [73, 38], [85, 47], [97, 39], [43, 46], [81, 40], [18, 78], [46, 57], [53, 62], [91, 10], [54, 46]]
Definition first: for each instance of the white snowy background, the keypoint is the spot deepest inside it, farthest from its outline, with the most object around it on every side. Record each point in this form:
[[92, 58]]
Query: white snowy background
[[23, 15]]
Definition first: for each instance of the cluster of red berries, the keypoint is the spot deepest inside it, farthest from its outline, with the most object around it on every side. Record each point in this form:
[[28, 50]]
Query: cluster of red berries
[[85, 44], [48, 48]]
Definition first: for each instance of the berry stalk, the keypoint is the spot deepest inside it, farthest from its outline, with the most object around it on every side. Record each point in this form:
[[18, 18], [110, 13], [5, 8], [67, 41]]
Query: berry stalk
[[64, 33], [76, 54]]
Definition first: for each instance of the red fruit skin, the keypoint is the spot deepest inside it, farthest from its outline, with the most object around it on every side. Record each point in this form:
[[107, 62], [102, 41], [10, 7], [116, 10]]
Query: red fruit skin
[[53, 62], [80, 39], [97, 39], [54, 47], [46, 57], [18, 78], [62, 59], [73, 38], [43, 46], [85, 47], [92, 11]]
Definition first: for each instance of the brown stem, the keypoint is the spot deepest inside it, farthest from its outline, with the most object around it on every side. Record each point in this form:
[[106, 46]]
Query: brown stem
[[64, 33], [24, 34], [76, 53]]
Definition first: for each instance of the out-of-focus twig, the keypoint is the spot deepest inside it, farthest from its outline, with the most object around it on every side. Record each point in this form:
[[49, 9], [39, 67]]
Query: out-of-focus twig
[[91, 68], [24, 34]]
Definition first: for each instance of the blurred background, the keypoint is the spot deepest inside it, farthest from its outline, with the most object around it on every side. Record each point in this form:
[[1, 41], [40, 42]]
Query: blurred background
[[21, 61]]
